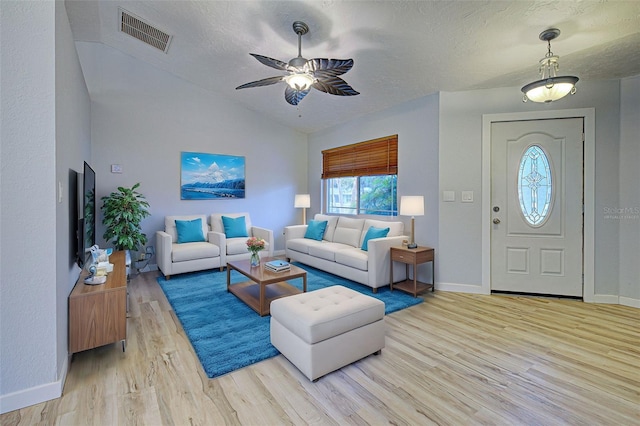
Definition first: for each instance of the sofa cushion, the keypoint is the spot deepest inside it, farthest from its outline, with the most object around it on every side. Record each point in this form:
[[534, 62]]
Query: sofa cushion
[[192, 251], [315, 229], [301, 244], [372, 233], [354, 258], [216, 221], [326, 250], [234, 226], [237, 245], [170, 225], [331, 225], [189, 231], [395, 228], [348, 231]]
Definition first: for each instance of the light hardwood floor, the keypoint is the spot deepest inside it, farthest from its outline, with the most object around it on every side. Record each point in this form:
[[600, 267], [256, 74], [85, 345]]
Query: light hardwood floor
[[456, 359]]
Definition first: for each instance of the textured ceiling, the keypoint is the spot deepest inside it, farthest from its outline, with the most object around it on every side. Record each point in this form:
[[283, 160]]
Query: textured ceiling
[[402, 50]]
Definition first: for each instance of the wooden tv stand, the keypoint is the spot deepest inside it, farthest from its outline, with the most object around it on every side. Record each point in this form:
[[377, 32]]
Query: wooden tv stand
[[98, 313]]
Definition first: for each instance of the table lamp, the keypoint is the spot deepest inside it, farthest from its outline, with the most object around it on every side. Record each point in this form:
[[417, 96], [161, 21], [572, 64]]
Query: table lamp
[[412, 205], [303, 201]]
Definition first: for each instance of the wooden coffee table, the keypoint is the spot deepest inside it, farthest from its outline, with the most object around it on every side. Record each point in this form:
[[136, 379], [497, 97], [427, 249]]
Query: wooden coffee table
[[264, 286]]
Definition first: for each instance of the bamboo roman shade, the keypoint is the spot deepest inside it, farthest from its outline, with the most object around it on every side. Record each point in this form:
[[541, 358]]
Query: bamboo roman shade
[[374, 157]]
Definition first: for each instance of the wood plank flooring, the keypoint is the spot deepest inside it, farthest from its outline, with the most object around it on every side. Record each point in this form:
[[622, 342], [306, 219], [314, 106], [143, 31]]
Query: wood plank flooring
[[456, 359]]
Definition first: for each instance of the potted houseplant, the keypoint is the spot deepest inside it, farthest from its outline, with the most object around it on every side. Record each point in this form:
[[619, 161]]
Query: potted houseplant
[[123, 211]]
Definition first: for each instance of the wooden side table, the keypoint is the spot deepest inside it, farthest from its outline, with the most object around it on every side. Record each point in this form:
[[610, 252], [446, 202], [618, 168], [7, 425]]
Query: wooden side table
[[413, 257]]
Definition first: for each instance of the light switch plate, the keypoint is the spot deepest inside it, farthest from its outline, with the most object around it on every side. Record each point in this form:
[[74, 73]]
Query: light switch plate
[[467, 196], [448, 196], [116, 168]]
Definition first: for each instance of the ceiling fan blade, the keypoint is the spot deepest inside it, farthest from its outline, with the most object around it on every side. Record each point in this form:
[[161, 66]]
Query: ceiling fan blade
[[334, 86], [264, 82], [329, 67], [294, 96], [270, 62]]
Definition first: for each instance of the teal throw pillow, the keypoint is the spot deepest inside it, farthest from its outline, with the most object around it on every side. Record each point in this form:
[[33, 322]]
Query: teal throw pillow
[[189, 231], [373, 232], [315, 229], [234, 227]]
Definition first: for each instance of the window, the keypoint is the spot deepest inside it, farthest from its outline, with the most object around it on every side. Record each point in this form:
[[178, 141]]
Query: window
[[362, 178], [534, 185]]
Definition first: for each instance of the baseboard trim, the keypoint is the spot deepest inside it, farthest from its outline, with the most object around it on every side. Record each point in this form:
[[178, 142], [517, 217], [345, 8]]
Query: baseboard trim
[[35, 395], [628, 301], [460, 288], [596, 298], [607, 299]]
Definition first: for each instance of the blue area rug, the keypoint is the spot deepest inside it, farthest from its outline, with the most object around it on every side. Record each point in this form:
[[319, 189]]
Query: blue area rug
[[227, 334]]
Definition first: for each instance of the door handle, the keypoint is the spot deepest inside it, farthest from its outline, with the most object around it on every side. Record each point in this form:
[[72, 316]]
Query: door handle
[[496, 221]]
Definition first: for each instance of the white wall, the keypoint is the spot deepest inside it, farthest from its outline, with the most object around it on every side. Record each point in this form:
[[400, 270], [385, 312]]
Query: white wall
[[28, 298], [73, 146], [416, 124], [45, 137], [142, 118], [460, 169], [627, 212]]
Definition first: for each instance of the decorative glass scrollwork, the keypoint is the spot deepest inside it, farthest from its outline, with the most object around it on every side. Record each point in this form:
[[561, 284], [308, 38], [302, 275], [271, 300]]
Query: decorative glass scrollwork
[[535, 185]]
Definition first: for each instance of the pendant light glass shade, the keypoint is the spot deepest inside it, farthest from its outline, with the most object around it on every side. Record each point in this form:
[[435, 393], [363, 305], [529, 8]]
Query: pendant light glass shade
[[550, 87]]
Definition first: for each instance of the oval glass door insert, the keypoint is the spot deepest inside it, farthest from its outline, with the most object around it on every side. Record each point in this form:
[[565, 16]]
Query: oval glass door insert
[[535, 185]]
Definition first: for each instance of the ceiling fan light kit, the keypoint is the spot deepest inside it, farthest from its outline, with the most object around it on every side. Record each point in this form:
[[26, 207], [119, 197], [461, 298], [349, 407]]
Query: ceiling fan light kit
[[550, 87], [299, 81], [302, 74]]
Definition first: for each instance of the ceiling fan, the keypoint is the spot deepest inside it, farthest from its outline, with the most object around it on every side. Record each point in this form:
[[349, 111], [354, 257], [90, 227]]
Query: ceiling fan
[[302, 74]]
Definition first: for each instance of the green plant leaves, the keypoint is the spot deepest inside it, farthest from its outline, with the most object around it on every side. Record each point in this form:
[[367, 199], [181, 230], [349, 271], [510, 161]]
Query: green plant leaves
[[123, 212]]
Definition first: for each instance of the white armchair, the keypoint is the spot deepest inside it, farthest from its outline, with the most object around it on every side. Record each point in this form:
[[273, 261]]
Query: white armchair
[[236, 248], [178, 258]]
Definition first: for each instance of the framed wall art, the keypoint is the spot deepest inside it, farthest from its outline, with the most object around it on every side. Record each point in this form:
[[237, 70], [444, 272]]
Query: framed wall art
[[211, 176]]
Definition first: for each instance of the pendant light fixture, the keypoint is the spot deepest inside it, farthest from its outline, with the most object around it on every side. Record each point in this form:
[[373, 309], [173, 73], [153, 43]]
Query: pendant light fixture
[[549, 88]]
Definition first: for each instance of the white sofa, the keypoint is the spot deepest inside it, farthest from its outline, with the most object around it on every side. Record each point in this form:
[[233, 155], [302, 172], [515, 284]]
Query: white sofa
[[174, 258], [340, 251], [236, 248]]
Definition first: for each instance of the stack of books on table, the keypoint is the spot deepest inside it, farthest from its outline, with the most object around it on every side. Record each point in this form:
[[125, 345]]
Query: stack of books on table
[[277, 266]]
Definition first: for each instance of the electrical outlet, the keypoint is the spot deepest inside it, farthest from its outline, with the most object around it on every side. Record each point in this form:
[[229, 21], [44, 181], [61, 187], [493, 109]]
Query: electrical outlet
[[116, 168]]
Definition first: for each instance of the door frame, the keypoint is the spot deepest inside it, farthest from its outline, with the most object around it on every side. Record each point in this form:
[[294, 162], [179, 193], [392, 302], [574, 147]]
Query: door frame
[[588, 255]]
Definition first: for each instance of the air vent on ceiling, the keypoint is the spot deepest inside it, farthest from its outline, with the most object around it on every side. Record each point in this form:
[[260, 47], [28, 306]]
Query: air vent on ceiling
[[136, 27]]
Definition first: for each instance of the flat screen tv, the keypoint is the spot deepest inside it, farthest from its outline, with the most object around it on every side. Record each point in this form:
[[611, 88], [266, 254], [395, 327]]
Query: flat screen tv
[[86, 232]]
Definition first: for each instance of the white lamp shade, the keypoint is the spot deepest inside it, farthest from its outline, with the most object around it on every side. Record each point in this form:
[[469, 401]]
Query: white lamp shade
[[412, 205], [551, 89], [302, 201]]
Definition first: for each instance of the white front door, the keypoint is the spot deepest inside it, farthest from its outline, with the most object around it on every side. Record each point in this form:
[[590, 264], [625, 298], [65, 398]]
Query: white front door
[[536, 202]]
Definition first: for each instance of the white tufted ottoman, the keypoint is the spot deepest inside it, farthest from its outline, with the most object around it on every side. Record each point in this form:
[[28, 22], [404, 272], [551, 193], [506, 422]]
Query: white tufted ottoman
[[323, 330]]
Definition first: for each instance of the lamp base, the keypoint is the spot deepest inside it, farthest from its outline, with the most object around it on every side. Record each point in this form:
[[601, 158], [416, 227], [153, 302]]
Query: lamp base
[[412, 246]]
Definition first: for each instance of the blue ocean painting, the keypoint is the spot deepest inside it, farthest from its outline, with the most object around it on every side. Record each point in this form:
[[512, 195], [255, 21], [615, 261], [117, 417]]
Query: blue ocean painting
[[211, 176]]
